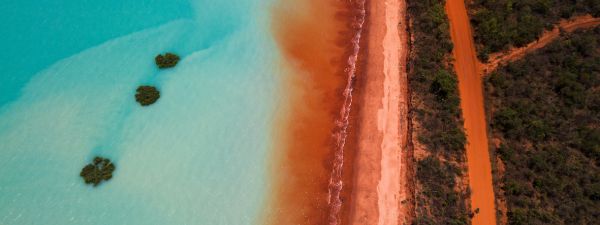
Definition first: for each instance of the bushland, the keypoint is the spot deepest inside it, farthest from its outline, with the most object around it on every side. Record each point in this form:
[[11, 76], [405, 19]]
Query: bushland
[[500, 24], [545, 110]]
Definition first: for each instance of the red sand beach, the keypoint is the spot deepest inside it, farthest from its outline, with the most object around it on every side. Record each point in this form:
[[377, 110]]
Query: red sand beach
[[336, 165], [380, 173], [319, 40]]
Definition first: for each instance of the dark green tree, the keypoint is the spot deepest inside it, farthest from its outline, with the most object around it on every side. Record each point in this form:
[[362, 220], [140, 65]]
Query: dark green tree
[[146, 95], [167, 60], [101, 169]]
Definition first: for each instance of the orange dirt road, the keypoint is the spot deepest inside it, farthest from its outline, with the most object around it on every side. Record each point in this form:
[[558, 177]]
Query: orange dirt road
[[471, 94]]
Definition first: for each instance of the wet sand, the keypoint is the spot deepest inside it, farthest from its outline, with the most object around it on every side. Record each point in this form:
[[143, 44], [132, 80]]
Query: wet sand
[[380, 172], [471, 94], [318, 40]]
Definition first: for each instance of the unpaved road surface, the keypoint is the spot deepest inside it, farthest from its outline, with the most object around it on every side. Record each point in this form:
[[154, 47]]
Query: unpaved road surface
[[471, 94]]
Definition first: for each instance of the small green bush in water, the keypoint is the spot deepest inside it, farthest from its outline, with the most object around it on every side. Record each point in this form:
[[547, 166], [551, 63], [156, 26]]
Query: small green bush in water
[[146, 95], [167, 60], [99, 170]]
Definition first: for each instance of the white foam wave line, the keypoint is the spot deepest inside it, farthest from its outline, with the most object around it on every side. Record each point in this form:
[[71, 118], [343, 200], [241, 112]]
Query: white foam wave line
[[335, 182]]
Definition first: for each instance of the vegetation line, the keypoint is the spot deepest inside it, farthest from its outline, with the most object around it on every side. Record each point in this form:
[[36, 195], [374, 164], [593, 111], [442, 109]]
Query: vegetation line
[[436, 121]]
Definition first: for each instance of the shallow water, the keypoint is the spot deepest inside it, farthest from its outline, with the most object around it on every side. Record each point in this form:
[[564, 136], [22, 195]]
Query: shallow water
[[197, 156]]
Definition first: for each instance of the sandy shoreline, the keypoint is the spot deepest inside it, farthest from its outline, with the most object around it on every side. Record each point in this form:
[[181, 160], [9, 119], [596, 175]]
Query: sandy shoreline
[[314, 144], [380, 169]]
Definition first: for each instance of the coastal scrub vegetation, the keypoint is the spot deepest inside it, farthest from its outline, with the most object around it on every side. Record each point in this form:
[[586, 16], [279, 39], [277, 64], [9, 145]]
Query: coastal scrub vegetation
[[500, 24], [167, 60], [146, 95], [435, 107], [101, 169], [545, 112]]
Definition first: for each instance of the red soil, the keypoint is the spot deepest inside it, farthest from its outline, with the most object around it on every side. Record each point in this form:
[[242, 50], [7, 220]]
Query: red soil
[[315, 37], [471, 94]]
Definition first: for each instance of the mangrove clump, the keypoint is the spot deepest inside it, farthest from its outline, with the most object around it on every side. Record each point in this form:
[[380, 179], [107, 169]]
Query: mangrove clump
[[146, 95], [167, 60], [99, 170]]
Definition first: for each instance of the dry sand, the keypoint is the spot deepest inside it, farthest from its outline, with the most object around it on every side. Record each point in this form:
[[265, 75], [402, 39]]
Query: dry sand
[[380, 172], [471, 94]]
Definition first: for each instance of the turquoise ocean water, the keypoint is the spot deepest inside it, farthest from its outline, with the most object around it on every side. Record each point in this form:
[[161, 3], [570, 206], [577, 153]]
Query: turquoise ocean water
[[69, 73]]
